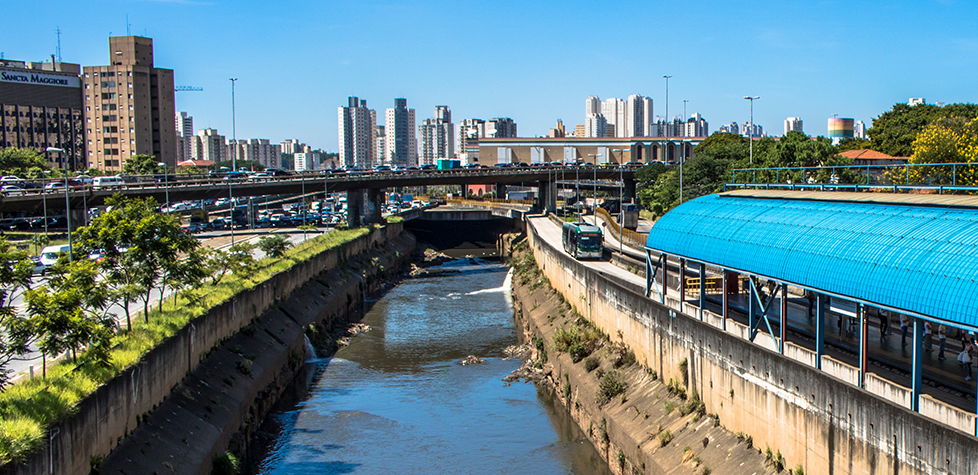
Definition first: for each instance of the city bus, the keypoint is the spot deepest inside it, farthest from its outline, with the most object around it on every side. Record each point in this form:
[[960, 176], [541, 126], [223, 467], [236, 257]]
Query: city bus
[[581, 240]]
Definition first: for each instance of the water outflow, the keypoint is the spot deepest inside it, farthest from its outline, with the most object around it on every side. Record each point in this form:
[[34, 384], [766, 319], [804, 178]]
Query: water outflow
[[310, 350], [396, 400]]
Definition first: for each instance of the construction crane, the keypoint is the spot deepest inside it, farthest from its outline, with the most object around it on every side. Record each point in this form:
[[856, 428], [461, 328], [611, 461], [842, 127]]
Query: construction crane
[[187, 88]]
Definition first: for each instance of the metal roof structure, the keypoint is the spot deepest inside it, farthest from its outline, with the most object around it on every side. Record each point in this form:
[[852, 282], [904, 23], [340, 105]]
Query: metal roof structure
[[914, 255]]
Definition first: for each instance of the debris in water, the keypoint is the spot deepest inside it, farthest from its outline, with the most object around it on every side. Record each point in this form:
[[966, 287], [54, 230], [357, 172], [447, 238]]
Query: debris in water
[[471, 360]]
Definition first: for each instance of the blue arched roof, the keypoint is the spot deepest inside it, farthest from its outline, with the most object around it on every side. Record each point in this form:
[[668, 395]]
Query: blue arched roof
[[915, 258]]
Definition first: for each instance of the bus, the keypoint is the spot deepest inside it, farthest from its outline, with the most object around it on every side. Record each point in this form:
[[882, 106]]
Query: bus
[[582, 240]]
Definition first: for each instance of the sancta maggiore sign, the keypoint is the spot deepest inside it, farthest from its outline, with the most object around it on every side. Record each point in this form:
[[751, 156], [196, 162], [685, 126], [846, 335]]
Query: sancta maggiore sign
[[22, 77]]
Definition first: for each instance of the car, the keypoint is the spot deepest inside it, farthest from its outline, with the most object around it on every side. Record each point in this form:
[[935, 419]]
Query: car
[[218, 223], [382, 169], [167, 178], [275, 172], [428, 167], [38, 267], [235, 176], [12, 190], [10, 180], [503, 165], [587, 165], [278, 220], [634, 165], [49, 255], [609, 165], [97, 255], [260, 176], [15, 224], [55, 185], [473, 166]]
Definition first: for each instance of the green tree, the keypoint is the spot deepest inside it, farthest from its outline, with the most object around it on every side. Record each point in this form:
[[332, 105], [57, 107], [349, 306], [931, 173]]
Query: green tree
[[947, 140], [16, 271], [141, 165], [894, 131], [852, 143], [274, 245], [237, 259], [22, 162]]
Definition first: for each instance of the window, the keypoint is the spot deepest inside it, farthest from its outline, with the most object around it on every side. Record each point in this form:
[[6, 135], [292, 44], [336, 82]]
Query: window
[[108, 84], [110, 130]]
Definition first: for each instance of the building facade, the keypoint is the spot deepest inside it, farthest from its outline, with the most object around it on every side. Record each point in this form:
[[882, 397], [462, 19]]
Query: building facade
[[40, 107], [184, 125], [595, 125], [128, 106], [638, 113], [696, 126], [400, 145], [793, 123], [356, 130], [209, 145], [500, 127], [469, 133], [614, 112], [437, 136]]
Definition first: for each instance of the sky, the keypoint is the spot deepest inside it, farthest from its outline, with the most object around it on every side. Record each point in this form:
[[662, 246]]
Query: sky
[[533, 61]]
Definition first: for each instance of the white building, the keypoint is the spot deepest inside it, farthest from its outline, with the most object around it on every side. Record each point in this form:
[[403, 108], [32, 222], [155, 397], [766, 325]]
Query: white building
[[748, 130], [731, 128], [595, 125], [400, 144], [592, 105], [696, 126], [437, 136], [500, 127], [468, 135], [793, 123], [356, 128], [859, 130], [185, 136], [614, 112], [306, 161], [639, 112], [209, 145]]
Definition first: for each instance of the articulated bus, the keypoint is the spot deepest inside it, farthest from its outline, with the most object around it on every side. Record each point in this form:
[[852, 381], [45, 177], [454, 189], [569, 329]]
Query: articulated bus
[[581, 240]]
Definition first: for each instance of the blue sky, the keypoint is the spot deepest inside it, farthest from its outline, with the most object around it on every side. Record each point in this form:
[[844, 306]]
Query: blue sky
[[533, 61]]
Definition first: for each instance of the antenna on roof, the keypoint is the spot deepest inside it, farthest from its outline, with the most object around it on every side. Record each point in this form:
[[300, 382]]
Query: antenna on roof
[[58, 31]]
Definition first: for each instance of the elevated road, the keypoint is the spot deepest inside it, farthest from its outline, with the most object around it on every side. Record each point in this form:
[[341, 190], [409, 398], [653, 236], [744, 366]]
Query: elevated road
[[195, 189]]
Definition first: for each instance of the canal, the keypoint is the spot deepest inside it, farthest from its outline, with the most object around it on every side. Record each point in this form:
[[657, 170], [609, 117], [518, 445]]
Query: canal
[[396, 400]]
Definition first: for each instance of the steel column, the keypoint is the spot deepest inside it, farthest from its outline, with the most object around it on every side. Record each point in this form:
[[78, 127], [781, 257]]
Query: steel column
[[917, 365], [863, 347], [682, 284], [702, 289], [726, 300], [750, 307], [819, 331], [784, 315]]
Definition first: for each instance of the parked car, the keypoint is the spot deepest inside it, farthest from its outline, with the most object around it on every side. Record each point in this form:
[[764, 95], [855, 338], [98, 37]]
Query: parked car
[[49, 256], [12, 190]]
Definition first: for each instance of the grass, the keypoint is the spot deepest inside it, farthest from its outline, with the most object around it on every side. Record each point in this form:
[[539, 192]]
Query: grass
[[26, 409]]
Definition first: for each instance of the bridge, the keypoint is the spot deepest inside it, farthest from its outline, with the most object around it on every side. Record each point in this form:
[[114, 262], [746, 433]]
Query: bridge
[[772, 304], [364, 190]]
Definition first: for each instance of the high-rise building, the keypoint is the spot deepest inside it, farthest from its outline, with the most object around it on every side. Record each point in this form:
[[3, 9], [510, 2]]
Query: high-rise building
[[558, 131], [128, 106], [751, 130], [859, 129], [913, 101], [731, 128], [185, 135], [400, 145], [379, 136], [592, 105], [614, 112], [469, 133], [639, 111], [40, 107], [306, 161], [696, 126], [500, 127], [356, 129], [437, 136], [595, 125], [209, 145], [793, 123]]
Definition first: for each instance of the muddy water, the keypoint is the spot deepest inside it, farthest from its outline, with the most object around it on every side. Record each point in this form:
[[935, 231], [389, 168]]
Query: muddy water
[[398, 401]]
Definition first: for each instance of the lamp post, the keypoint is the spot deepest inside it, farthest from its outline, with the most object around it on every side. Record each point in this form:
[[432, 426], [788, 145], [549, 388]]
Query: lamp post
[[682, 154], [595, 155], [234, 132], [166, 184], [577, 187], [665, 156], [621, 198], [750, 133], [67, 202], [44, 199]]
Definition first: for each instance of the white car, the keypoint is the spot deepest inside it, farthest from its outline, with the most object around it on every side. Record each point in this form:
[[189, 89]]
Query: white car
[[55, 185], [12, 190], [260, 176]]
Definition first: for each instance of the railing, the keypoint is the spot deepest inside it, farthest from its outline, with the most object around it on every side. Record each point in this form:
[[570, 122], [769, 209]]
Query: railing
[[958, 176], [631, 237]]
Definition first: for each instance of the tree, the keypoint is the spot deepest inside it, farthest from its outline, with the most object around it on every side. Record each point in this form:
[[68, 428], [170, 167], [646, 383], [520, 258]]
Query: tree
[[21, 162], [894, 131], [16, 271], [853, 143], [274, 245], [948, 140], [141, 165], [238, 260]]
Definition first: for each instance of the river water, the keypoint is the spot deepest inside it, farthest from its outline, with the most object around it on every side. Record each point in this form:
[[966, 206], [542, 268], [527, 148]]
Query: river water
[[398, 401]]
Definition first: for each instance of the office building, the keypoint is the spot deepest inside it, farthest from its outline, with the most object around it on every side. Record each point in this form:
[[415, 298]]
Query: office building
[[614, 112], [793, 123], [500, 127], [209, 145], [592, 105], [595, 125], [41, 107], [400, 145], [379, 135], [731, 128], [751, 130], [558, 131], [356, 130], [437, 136], [696, 126], [638, 112], [469, 133], [184, 125], [859, 129], [306, 161], [128, 106]]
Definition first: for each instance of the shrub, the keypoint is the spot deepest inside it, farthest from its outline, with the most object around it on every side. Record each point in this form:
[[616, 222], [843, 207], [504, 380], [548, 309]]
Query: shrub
[[664, 438], [706, 470], [591, 363], [226, 464], [669, 406], [611, 385]]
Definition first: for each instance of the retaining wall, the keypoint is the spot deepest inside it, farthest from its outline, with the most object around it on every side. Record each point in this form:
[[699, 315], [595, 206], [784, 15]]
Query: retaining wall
[[814, 419], [105, 417]]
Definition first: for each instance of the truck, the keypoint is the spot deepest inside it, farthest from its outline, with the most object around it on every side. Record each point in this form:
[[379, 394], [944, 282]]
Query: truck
[[629, 216]]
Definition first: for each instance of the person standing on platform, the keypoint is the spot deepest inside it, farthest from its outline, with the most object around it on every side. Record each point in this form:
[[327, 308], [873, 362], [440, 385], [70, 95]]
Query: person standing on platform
[[928, 337], [964, 358], [942, 337], [904, 328], [810, 295]]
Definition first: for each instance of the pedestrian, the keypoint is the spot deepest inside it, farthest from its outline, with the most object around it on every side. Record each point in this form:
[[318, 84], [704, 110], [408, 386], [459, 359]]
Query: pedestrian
[[904, 328], [964, 359], [884, 323], [928, 337], [942, 337], [810, 295]]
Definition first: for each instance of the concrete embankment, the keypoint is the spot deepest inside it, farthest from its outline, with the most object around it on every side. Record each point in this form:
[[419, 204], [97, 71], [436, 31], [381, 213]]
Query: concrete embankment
[[179, 413], [649, 428], [816, 421]]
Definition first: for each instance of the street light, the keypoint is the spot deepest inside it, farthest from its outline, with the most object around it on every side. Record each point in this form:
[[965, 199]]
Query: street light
[[44, 198], [234, 130], [682, 155], [621, 198], [665, 156], [750, 132], [67, 203], [166, 184]]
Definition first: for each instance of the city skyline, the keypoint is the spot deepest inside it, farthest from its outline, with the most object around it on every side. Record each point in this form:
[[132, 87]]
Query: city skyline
[[803, 60]]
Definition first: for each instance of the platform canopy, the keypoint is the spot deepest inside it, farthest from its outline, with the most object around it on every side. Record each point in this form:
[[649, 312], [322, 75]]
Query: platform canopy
[[905, 252]]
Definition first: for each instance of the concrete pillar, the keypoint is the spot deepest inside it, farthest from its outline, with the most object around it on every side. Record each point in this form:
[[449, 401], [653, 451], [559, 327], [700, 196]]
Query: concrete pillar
[[917, 366], [354, 207], [726, 299], [547, 199], [373, 205], [819, 331], [500, 191], [629, 189], [702, 289]]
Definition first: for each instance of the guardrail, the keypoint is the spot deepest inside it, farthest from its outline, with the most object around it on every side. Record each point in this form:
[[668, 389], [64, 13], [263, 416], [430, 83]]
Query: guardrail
[[633, 238], [915, 175]]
